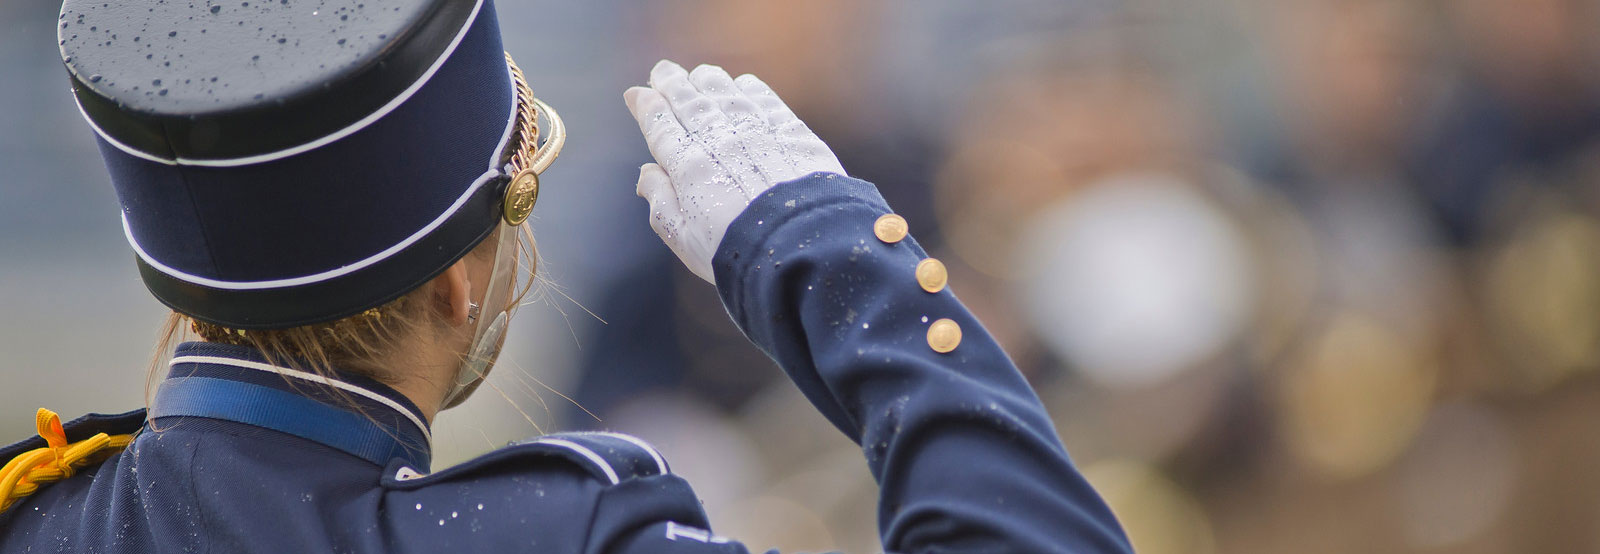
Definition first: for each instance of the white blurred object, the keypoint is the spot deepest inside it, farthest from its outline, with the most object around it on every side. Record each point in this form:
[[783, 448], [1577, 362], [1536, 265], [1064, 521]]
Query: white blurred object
[[1135, 278]]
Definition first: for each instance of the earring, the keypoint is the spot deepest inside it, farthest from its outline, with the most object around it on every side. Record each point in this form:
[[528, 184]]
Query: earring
[[473, 309]]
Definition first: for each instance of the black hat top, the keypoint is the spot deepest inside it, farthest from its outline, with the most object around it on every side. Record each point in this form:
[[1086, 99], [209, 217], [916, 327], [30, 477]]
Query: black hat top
[[288, 162], [218, 80]]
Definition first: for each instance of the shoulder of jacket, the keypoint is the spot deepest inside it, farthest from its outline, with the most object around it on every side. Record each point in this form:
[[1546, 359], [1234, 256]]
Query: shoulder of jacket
[[125, 423], [610, 458]]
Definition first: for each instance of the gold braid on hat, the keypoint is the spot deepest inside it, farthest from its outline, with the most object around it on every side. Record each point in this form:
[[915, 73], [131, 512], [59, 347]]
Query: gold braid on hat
[[521, 151], [528, 158]]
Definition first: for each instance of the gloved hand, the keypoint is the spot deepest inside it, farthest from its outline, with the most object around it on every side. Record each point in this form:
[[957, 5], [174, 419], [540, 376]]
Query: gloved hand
[[718, 142]]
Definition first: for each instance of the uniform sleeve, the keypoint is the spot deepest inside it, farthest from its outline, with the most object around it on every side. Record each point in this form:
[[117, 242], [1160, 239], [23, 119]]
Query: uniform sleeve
[[965, 456]]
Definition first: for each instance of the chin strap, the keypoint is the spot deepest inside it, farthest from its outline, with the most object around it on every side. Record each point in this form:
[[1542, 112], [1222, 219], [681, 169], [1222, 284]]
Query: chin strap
[[522, 170], [24, 474], [489, 333], [475, 367]]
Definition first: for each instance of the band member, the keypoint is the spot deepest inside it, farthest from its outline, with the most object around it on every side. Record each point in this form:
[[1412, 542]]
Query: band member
[[332, 198]]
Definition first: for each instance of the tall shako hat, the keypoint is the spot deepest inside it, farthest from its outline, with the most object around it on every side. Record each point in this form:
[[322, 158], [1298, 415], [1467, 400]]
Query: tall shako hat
[[287, 162]]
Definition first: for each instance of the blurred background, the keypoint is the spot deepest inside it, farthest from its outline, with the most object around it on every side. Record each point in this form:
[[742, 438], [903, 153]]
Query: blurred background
[[1291, 275]]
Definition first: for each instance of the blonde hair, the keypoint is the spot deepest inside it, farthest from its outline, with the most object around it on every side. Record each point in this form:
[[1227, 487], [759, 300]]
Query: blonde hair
[[353, 344]]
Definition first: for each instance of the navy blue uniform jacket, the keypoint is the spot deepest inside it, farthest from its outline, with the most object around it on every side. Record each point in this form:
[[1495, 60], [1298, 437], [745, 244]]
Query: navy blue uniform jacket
[[236, 455]]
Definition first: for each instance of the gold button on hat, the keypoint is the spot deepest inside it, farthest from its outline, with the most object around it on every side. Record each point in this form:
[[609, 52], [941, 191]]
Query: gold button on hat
[[521, 195], [944, 335], [932, 275], [890, 228]]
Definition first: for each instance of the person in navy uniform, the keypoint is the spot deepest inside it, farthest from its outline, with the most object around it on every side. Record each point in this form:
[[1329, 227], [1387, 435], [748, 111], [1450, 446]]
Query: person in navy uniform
[[344, 237]]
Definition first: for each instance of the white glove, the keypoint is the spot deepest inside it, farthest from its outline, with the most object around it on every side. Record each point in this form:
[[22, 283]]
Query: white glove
[[719, 142]]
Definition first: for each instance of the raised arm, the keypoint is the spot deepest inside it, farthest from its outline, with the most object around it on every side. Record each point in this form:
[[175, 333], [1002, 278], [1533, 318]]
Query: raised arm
[[816, 271]]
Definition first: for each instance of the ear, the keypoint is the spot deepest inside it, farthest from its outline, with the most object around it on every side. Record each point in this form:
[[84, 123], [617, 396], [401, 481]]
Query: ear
[[452, 293]]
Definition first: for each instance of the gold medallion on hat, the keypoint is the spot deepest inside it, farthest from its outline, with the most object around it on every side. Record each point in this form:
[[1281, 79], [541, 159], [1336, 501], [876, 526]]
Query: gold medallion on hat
[[521, 195]]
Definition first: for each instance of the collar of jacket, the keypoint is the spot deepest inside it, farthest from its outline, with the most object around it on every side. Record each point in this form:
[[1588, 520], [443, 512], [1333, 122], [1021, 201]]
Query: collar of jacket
[[347, 412]]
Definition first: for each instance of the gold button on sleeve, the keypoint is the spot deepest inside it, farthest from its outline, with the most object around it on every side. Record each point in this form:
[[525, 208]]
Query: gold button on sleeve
[[932, 275], [944, 335], [890, 228]]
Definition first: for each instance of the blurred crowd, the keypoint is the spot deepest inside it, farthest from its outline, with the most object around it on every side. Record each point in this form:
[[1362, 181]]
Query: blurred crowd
[[1291, 275]]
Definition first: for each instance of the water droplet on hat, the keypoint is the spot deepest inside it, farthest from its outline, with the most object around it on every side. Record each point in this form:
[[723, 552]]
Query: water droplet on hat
[[94, 78], [215, 9]]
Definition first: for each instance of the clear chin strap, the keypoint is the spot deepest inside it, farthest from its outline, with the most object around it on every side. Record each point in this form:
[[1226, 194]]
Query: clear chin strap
[[522, 192], [491, 332]]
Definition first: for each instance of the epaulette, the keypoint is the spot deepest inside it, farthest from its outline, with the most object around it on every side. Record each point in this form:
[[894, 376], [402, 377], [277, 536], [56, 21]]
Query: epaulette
[[82, 428], [60, 451]]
